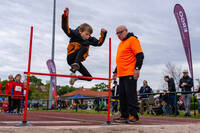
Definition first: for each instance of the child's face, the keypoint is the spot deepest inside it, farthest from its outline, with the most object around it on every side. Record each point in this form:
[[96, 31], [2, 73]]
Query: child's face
[[18, 78], [10, 78], [85, 34]]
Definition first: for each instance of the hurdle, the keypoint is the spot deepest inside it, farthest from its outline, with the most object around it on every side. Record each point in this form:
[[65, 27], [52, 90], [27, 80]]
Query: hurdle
[[28, 73]]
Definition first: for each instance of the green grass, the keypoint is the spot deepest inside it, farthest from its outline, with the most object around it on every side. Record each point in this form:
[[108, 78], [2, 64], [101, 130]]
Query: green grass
[[181, 115], [73, 111]]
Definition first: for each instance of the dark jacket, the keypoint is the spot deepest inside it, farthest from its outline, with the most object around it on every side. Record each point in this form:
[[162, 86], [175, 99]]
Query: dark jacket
[[76, 41], [171, 85], [189, 82], [144, 90], [113, 90]]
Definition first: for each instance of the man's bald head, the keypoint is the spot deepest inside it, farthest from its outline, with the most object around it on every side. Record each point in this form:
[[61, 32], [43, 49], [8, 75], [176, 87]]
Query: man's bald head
[[121, 27], [121, 32]]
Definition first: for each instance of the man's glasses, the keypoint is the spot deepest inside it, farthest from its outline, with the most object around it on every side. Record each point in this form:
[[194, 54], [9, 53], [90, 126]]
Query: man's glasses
[[120, 32]]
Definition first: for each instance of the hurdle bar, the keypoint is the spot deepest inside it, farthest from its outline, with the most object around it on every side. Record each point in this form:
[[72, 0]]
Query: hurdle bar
[[24, 122]]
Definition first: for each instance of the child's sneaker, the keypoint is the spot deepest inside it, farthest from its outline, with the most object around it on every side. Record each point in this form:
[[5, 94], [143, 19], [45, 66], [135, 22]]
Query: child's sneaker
[[72, 80], [74, 67]]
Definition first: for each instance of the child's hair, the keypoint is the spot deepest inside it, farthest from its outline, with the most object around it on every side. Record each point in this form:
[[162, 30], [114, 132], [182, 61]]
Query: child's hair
[[18, 75], [85, 27]]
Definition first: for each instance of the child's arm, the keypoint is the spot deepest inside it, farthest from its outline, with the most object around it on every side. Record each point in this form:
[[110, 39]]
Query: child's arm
[[94, 42], [65, 23]]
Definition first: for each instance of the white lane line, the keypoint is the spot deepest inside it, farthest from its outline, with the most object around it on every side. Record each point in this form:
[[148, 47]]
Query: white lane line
[[45, 116]]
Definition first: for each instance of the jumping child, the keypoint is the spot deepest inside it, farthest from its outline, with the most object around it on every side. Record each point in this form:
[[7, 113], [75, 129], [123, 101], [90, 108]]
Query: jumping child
[[78, 47]]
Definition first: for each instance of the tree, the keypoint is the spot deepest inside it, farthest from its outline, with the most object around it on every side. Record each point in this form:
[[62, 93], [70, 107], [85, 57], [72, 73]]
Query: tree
[[101, 87], [173, 71], [65, 89], [35, 81], [3, 85]]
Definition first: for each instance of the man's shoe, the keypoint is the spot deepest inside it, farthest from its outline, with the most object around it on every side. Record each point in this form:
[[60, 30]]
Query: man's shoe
[[131, 120], [120, 120]]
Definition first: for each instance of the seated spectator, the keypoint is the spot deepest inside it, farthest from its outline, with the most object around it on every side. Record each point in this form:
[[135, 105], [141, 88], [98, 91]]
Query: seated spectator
[[144, 98], [165, 102], [180, 103]]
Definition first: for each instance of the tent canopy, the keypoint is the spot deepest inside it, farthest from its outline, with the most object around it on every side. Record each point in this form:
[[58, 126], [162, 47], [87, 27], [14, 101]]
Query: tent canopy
[[78, 96]]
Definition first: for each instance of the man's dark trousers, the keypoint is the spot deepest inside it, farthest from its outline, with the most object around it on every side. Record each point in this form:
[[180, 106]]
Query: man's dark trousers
[[128, 96]]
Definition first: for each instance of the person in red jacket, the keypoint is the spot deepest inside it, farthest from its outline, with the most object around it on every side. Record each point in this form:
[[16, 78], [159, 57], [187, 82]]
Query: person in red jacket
[[9, 91], [18, 87]]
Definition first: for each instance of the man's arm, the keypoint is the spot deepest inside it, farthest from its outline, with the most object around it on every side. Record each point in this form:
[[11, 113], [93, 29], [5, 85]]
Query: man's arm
[[95, 42], [138, 66], [190, 83]]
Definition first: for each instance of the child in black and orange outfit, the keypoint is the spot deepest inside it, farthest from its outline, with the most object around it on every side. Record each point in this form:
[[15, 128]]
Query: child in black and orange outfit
[[78, 47]]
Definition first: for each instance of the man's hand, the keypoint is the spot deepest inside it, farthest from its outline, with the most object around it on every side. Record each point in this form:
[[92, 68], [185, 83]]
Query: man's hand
[[103, 30], [136, 74], [114, 76], [183, 84], [66, 12]]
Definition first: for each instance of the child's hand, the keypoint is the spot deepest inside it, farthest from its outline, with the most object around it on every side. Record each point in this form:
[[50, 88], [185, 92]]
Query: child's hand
[[66, 12], [103, 30]]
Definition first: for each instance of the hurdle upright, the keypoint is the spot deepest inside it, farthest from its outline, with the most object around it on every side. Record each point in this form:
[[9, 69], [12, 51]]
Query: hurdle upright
[[28, 73]]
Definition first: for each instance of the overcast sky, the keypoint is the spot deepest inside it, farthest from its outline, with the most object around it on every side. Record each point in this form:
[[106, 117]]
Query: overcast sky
[[152, 21]]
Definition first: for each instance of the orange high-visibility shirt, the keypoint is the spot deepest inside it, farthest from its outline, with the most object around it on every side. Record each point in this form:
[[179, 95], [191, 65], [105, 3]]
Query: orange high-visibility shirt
[[126, 56]]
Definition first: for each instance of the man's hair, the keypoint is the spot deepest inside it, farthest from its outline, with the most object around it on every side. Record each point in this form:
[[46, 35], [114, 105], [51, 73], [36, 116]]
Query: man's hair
[[166, 76], [85, 27]]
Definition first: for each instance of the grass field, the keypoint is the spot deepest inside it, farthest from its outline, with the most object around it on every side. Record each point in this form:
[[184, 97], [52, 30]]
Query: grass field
[[181, 115]]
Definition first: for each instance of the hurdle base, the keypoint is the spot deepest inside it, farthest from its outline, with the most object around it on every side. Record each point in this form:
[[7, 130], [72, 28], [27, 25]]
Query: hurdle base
[[24, 123], [108, 123]]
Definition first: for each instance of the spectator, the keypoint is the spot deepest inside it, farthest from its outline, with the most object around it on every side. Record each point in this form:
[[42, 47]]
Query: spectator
[[171, 91], [18, 86], [181, 103], [144, 98], [9, 91], [129, 61], [164, 102], [186, 83], [114, 101], [198, 98]]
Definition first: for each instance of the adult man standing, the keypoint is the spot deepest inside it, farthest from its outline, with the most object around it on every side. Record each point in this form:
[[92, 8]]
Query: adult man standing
[[171, 90], [186, 83], [144, 98], [129, 61]]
